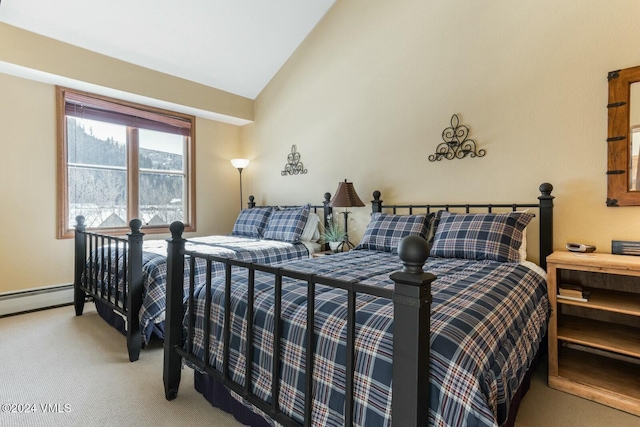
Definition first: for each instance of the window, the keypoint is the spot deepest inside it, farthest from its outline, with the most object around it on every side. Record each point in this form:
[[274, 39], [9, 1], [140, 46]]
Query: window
[[118, 161]]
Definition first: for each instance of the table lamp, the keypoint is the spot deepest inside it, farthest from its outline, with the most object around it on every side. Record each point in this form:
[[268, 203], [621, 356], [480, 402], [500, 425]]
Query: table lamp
[[345, 197]]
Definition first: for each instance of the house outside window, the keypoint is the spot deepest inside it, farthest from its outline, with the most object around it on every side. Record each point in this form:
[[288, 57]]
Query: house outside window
[[118, 161]]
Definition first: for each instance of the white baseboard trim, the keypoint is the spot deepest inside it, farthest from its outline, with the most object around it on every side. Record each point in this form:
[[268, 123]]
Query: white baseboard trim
[[35, 299]]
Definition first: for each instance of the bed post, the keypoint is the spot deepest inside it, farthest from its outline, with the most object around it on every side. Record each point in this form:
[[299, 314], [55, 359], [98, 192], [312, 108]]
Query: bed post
[[376, 203], [328, 210], [546, 223], [174, 310], [251, 203], [134, 295], [80, 255], [411, 334]]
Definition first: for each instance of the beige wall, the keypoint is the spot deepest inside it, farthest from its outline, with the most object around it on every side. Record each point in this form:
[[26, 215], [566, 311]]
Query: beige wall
[[368, 94], [366, 97], [30, 254]]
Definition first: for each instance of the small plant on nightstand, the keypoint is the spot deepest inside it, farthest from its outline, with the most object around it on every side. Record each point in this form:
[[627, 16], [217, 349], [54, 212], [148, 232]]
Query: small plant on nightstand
[[333, 234]]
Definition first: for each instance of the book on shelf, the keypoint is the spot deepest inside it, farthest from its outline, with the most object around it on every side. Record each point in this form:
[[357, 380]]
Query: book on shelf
[[574, 291], [565, 297]]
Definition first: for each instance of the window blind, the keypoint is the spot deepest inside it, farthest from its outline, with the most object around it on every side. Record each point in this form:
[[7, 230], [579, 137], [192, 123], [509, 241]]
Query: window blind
[[87, 107]]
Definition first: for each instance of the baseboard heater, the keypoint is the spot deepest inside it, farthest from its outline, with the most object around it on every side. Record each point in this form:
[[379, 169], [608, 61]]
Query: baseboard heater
[[35, 299]]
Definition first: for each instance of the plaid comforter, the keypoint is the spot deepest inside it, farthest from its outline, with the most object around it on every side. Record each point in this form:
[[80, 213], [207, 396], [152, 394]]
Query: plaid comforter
[[487, 321], [154, 267]]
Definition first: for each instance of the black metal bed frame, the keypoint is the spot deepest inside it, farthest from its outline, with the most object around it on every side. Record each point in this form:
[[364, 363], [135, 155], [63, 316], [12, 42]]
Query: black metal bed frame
[[545, 207], [93, 261], [411, 298]]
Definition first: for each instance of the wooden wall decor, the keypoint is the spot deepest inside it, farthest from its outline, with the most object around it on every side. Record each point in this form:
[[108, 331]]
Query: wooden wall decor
[[294, 166], [456, 145], [621, 188]]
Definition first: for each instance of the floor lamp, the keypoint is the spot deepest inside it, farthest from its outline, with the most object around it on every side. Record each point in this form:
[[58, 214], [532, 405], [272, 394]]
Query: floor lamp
[[345, 197], [240, 164]]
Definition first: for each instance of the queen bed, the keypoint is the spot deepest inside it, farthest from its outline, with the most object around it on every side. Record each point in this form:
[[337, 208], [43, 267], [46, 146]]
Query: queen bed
[[449, 340], [126, 277]]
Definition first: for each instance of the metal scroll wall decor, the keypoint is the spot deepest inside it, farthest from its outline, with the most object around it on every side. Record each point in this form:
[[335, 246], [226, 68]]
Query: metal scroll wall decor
[[294, 166], [456, 145]]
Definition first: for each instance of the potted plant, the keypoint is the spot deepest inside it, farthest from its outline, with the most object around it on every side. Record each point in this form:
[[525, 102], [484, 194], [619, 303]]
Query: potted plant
[[333, 234]]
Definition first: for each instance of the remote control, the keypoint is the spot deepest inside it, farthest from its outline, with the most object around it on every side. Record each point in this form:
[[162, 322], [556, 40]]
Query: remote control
[[579, 247]]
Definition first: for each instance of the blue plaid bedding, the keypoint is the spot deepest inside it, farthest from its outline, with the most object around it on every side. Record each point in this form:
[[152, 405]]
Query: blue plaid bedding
[[487, 321], [154, 268]]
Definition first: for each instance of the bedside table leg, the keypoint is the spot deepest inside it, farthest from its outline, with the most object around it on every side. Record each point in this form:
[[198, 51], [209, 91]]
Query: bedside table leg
[[552, 283]]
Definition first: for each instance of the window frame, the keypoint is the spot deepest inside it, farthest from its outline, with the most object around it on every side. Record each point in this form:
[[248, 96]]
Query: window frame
[[64, 231]]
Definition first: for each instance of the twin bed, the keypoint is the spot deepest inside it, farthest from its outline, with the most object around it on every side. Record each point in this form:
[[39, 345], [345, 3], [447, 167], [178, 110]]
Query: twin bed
[[374, 335], [126, 277]]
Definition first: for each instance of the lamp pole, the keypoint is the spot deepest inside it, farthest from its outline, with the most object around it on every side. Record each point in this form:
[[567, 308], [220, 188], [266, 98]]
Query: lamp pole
[[240, 164], [346, 233], [240, 170]]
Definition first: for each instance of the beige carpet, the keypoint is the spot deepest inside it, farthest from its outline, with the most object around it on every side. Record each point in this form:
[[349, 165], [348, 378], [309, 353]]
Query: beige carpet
[[544, 406], [80, 364], [54, 357]]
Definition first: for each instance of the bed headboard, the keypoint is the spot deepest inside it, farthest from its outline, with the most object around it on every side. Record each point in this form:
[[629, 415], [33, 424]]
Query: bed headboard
[[324, 208], [544, 207]]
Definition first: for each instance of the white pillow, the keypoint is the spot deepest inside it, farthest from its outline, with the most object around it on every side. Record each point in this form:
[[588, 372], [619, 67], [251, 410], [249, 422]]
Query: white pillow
[[311, 233], [523, 246]]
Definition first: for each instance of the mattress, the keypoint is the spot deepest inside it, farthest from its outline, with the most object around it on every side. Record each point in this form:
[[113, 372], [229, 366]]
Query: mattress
[[488, 319]]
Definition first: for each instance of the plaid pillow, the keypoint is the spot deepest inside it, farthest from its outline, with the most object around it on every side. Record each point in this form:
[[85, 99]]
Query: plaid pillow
[[287, 224], [482, 236], [385, 231], [251, 222]]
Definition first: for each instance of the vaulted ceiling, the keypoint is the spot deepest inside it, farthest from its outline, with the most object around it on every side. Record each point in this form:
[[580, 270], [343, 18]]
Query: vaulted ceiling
[[233, 45]]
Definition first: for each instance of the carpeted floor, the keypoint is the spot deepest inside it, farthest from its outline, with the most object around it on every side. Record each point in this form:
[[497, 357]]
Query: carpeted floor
[[546, 407], [78, 368], [81, 364]]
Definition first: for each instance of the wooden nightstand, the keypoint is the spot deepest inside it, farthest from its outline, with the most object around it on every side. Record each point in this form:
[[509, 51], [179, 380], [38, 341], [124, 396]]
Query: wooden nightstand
[[594, 346], [320, 254]]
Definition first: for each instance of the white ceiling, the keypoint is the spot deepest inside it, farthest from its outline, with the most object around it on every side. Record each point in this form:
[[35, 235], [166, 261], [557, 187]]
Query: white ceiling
[[233, 45]]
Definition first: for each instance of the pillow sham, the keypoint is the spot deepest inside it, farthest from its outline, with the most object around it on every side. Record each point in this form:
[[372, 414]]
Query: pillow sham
[[385, 231], [481, 236], [287, 225], [311, 233], [251, 222]]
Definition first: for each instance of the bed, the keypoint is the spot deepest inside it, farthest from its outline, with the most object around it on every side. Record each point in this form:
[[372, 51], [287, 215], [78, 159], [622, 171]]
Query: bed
[[458, 340], [126, 277]]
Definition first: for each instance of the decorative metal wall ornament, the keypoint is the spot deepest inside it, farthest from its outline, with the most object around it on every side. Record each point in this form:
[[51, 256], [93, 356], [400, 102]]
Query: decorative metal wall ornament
[[294, 166], [456, 145]]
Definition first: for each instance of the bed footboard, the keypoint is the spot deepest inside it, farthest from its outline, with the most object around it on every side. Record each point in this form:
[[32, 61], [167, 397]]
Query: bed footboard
[[411, 298], [109, 269], [411, 324]]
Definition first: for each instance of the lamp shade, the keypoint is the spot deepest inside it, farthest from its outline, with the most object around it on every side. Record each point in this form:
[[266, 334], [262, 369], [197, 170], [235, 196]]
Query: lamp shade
[[240, 163], [346, 196]]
